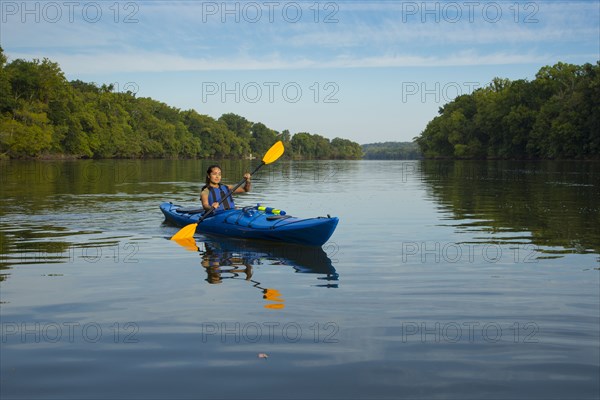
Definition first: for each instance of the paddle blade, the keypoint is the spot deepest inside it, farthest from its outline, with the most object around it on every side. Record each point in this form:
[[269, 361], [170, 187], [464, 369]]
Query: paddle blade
[[185, 232], [274, 153], [187, 243], [275, 296], [277, 306]]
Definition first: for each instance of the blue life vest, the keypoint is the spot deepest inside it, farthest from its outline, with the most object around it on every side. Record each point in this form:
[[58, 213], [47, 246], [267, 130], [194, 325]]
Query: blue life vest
[[215, 195]]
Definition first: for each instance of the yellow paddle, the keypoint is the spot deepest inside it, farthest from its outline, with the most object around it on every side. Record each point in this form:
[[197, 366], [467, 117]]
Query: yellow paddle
[[187, 232], [270, 156]]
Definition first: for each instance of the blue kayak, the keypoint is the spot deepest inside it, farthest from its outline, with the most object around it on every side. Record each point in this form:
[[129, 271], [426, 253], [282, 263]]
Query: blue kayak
[[255, 223]]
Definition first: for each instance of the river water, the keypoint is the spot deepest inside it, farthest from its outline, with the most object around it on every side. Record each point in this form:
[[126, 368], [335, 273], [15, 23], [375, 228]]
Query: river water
[[443, 279]]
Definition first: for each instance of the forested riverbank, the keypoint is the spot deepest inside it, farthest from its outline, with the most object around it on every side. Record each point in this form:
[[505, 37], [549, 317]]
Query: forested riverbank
[[554, 116], [43, 115]]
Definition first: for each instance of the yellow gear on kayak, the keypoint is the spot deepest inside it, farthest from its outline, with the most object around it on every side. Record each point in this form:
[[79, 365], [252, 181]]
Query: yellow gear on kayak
[[270, 210]]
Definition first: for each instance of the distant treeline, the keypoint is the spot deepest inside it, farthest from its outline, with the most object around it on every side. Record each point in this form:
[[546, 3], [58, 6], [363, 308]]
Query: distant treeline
[[555, 116], [44, 115], [391, 151]]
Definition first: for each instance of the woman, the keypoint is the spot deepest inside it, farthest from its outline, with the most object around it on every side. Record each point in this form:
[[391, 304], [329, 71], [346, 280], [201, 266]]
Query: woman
[[214, 193]]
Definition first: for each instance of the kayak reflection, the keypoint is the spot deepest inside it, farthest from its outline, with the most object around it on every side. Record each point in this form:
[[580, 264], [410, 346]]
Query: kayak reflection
[[235, 259]]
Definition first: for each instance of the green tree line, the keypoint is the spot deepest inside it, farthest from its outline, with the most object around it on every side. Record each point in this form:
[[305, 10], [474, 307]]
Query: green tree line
[[392, 151], [555, 116], [42, 114]]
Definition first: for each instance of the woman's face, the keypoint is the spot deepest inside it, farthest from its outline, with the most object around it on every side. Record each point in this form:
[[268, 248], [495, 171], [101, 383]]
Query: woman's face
[[215, 175]]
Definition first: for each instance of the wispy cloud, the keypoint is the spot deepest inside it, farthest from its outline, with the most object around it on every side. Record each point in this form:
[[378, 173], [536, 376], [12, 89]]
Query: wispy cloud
[[163, 62], [181, 36]]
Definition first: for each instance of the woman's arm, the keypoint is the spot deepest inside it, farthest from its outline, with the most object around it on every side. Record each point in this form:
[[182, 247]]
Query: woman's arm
[[204, 199], [246, 187]]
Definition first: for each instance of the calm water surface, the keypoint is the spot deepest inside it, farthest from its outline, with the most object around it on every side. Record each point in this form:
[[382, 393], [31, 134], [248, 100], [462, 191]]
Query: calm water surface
[[442, 280]]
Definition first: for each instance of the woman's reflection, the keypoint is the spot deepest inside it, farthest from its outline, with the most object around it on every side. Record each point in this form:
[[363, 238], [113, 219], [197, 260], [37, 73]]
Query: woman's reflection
[[234, 259]]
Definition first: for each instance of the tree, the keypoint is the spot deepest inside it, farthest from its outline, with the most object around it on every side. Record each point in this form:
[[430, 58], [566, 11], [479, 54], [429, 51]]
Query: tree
[[344, 149], [554, 116], [28, 133], [41, 113], [302, 145], [238, 125], [216, 139], [6, 95], [262, 138]]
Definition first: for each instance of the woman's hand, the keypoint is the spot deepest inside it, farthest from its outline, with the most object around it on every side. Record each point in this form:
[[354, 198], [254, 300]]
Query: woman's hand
[[248, 184]]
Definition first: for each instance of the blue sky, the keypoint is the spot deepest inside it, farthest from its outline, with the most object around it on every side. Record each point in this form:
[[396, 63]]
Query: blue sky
[[369, 71]]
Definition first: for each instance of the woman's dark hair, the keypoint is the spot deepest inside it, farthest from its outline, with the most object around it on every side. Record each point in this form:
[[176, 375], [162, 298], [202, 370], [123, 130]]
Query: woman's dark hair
[[208, 171]]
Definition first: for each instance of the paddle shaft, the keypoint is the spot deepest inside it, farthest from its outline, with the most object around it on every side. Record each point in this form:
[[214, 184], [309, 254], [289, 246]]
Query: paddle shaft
[[240, 183]]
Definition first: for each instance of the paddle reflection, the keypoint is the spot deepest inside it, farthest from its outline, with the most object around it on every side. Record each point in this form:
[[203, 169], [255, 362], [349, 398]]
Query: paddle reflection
[[236, 259]]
